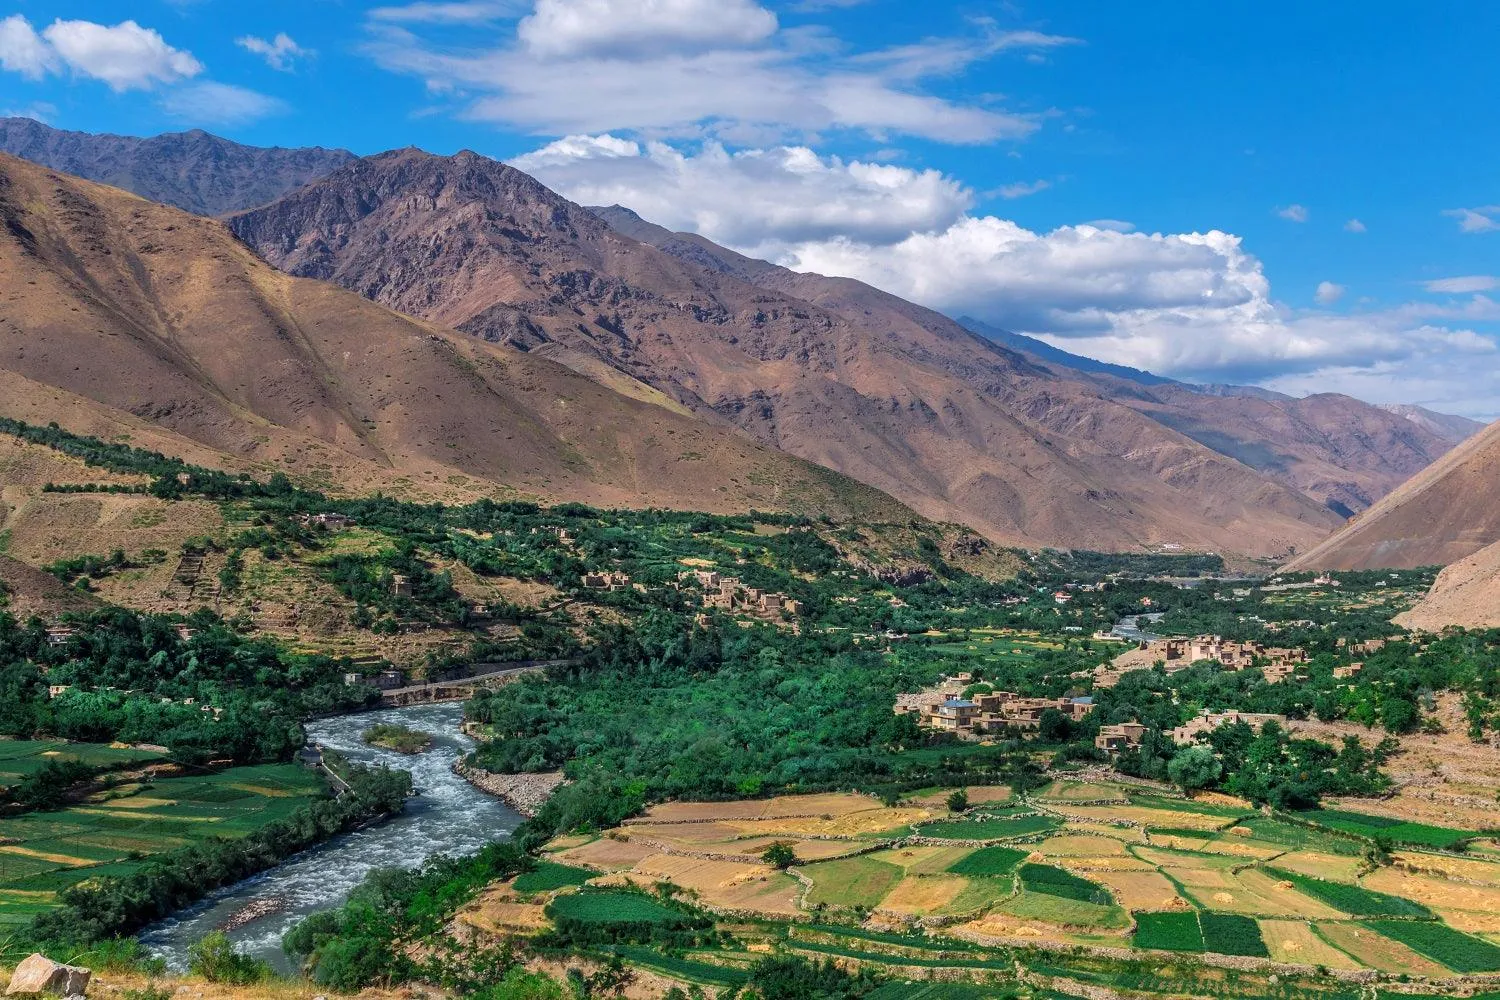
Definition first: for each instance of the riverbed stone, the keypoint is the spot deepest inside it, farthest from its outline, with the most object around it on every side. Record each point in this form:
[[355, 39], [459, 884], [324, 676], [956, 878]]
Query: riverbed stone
[[38, 975]]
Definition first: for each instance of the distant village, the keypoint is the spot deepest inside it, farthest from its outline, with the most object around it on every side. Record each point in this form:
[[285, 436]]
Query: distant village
[[724, 593], [1275, 663]]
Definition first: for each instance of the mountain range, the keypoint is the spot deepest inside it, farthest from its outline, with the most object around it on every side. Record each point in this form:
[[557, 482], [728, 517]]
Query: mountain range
[[125, 318], [1017, 439]]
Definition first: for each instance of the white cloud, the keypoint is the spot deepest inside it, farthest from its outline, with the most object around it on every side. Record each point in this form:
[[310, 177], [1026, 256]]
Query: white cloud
[[280, 53], [690, 69], [125, 56], [1328, 293], [23, 51], [642, 28], [1464, 285], [455, 12], [210, 103], [1021, 189], [1113, 225], [758, 199], [1484, 219], [1293, 213], [1354, 226]]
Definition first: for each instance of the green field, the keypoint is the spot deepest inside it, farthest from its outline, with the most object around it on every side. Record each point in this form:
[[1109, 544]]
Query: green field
[[1441, 943], [1168, 931], [1301, 838], [549, 875], [19, 759], [1352, 899], [988, 829], [1396, 831], [1054, 881], [117, 833], [1232, 934], [613, 908], [988, 861], [861, 881]]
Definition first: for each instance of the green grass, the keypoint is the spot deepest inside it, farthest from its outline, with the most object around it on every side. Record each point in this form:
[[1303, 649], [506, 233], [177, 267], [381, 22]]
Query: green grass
[[1394, 830], [988, 829], [22, 758], [1441, 943], [861, 881], [1232, 934], [549, 875], [988, 861], [916, 941], [1053, 881], [1168, 931], [682, 968], [1300, 838], [939, 991], [1355, 900], [613, 908]]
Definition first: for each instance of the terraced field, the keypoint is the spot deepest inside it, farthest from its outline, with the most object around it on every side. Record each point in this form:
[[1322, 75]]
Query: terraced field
[[19, 759], [118, 831], [1105, 866]]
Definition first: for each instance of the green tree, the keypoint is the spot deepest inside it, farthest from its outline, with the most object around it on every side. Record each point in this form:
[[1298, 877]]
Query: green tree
[[780, 855], [958, 801], [1193, 768]]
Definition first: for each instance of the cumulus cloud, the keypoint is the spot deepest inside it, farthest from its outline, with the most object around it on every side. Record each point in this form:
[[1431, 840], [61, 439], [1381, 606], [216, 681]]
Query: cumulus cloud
[[125, 56], [690, 68], [1484, 219], [1293, 213], [1354, 226], [645, 28], [210, 103], [1464, 285], [755, 199], [280, 53], [1328, 293], [23, 51]]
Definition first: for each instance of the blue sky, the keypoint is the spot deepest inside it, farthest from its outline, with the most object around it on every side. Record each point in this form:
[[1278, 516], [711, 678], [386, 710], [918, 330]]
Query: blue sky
[[1169, 185]]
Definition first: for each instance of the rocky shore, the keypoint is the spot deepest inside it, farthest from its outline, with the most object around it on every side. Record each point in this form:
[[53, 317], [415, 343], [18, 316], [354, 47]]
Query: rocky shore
[[253, 912], [524, 793]]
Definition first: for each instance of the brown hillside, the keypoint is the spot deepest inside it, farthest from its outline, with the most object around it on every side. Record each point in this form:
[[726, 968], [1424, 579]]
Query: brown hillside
[[905, 400], [119, 312], [1445, 513], [1466, 594], [1336, 450]]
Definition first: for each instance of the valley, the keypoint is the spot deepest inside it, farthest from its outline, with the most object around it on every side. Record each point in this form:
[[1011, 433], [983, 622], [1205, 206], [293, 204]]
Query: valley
[[415, 583]]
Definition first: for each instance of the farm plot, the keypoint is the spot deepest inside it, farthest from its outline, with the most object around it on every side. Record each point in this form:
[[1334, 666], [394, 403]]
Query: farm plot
[[1374, 950], [607, 907], [42, 854], [1296, 943], [1140, 815], [861, 881], [726, 884], [923, 859], [989, 829], [1231, 934], [1457, 951], [1433, 892], [548, 875], [1051, 881], [1352, 899], [21, 758], [979, 795], [1168, 931], [1140, 890], [988, 861], [1395, 830]]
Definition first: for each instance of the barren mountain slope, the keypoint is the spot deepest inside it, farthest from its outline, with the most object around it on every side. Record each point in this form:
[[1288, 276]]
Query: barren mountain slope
[[959, 428], [1336, 450], [193, 170], [1467, 594], [1445, 513], [115, 311]]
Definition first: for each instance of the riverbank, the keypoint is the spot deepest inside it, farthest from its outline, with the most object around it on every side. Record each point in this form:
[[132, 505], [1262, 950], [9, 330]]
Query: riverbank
[[525, 793]]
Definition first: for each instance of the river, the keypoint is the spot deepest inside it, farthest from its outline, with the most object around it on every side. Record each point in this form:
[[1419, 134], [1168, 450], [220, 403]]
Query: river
[[449, 816]]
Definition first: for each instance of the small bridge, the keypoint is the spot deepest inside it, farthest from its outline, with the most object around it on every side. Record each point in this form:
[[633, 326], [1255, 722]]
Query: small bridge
[[461, 688]]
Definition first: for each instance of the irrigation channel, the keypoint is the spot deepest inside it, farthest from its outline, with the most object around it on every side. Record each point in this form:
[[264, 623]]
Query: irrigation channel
[[449, 816]]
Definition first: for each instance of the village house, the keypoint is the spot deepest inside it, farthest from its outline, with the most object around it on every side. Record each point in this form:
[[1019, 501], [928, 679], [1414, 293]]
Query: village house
[[58, 635], [1344, 673], [328, 520], [1115, 739], [56, 689], [1207, 722], [945, 708], [400, 585], [606, 581], [1179, 654], [386, 680]]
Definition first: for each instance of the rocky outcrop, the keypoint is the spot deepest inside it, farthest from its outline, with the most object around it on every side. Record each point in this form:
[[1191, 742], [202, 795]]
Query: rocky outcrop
[[525, 793], [38, 975]]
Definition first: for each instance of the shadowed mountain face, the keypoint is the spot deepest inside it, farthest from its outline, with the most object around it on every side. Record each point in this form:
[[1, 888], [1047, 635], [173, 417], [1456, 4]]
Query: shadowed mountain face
[[1443, 514], [1339, 452], [193, 171], [831, 370], [123, 316]]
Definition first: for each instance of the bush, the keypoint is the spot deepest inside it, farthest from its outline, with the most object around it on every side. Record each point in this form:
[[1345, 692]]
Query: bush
[[780, 855], [215, 959], [958, 801]]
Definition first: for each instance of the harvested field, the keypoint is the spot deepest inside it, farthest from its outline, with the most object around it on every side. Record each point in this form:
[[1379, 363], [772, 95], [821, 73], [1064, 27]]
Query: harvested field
[[924, 895], [1438, 893], [1065, 790], [606, 854], [1295, 942], [1471, 922], [1259, 894], [1469, 869], [979, 795], [1334, 867], [1065, 912], [1139, 890], [1070, 845], [1149, 817], [862, 823], [923, 859], [830, 805], [1376, 951], [502, 917]]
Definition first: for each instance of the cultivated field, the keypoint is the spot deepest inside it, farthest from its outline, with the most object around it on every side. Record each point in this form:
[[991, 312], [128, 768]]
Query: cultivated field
[[117, 831], [1081, 864]]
